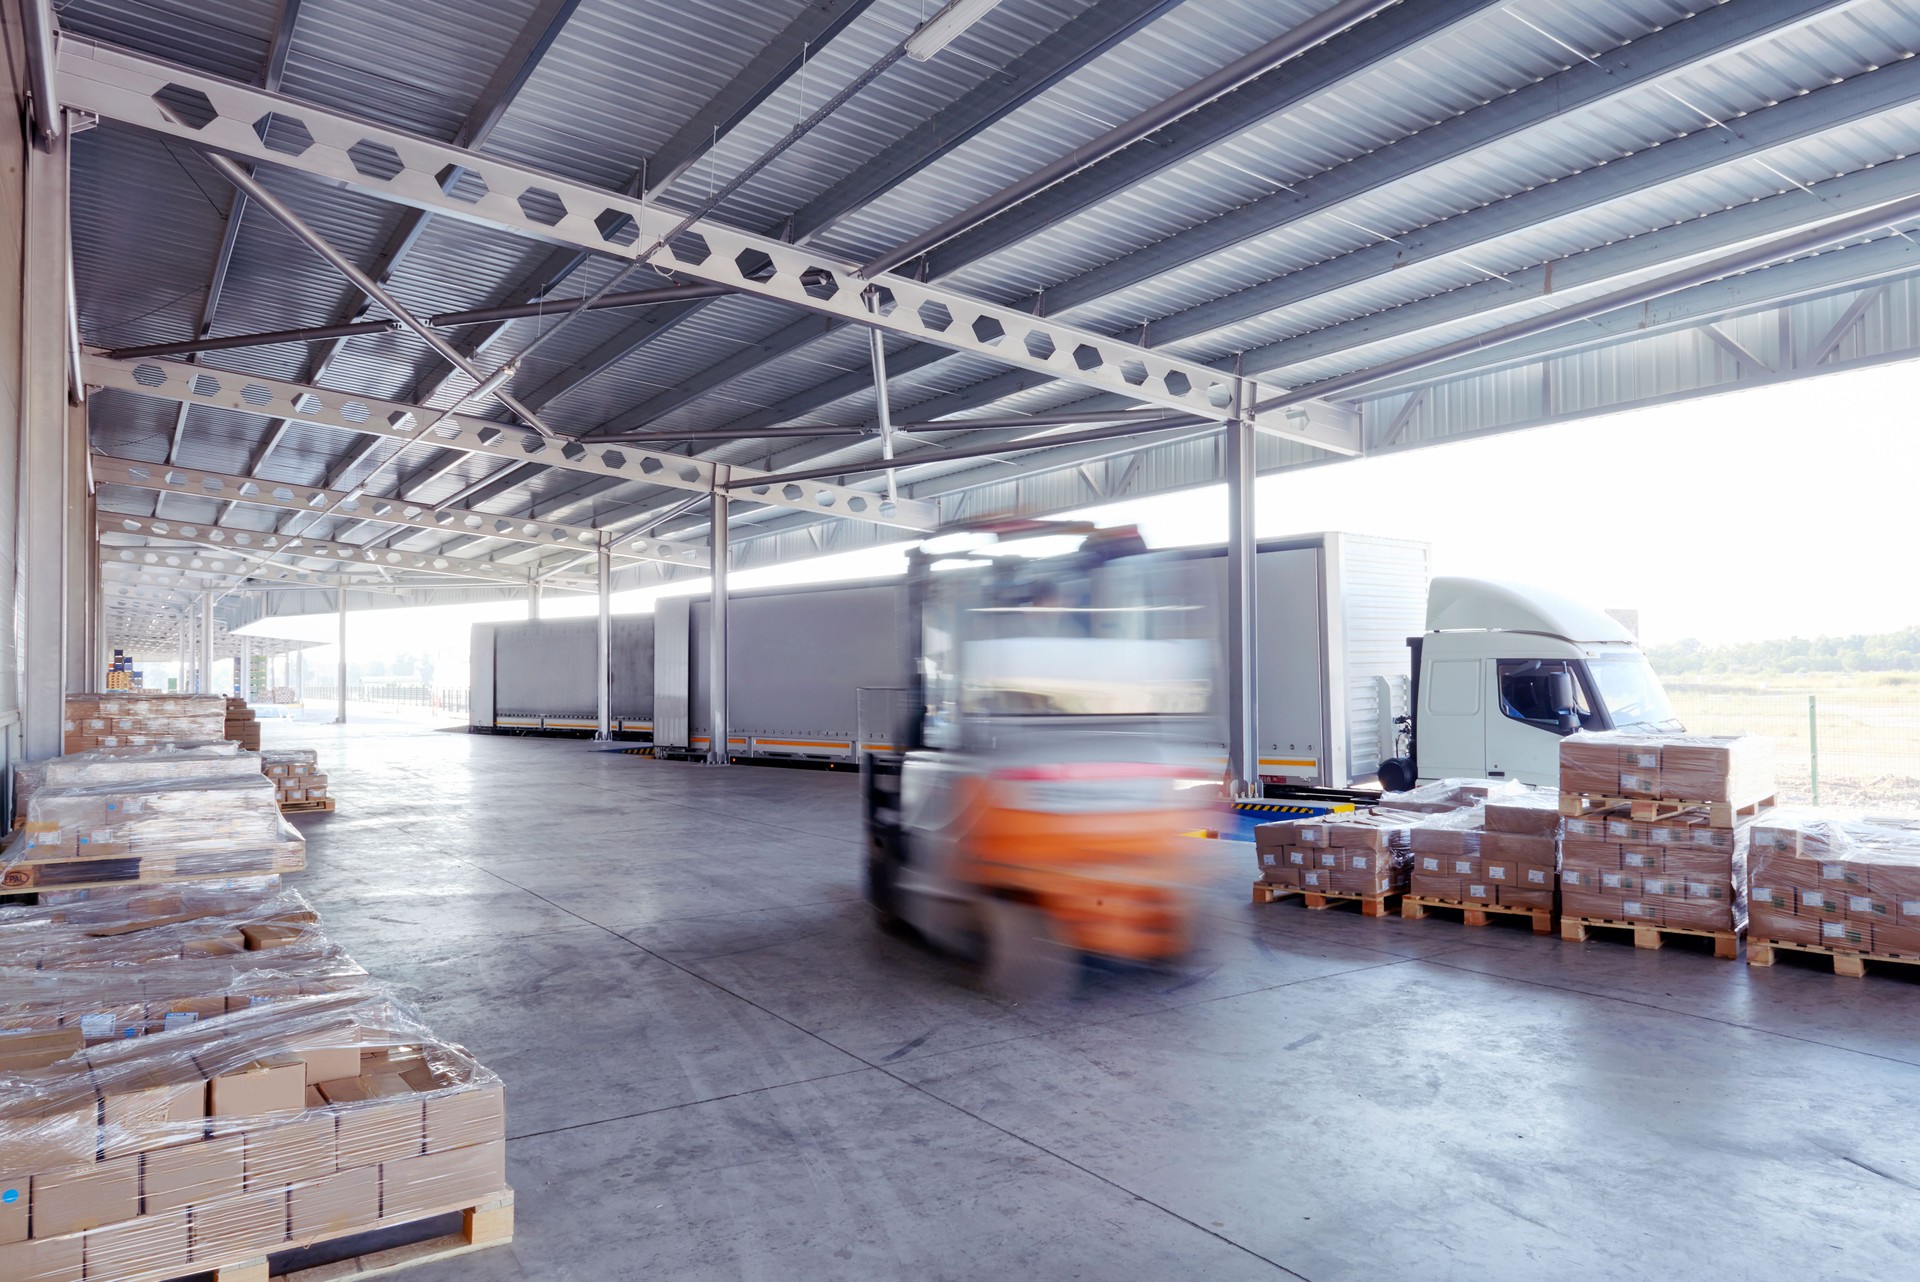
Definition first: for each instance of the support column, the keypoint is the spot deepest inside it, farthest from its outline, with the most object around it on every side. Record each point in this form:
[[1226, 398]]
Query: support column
[[340, 681], [604, 733], [243, 674], [206, 642], [717, 719], [186, 643], [1243, 738], [535, 592], [40, 555], [84, 672]]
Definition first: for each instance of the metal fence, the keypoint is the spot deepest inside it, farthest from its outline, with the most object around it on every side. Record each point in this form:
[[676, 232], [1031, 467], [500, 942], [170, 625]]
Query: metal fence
[[1837, 743], [448, 701]]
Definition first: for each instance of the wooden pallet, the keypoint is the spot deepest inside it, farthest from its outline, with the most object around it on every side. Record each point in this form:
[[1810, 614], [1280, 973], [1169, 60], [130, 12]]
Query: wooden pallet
[[23, 877], [320, 807], [1726, 943], [1370, 905], [1853, 965], [1416, 908], [1720, 814], [483, 1224]]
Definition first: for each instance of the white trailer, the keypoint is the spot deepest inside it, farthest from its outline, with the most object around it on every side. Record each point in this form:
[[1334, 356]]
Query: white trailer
[[1336, 611]]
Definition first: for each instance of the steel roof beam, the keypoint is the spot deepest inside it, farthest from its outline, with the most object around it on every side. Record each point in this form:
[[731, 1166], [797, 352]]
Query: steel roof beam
[[122, 86], [1791, 210], [779, 61], [1712, 33], [358, 509], [396, 420], [1827, 108]]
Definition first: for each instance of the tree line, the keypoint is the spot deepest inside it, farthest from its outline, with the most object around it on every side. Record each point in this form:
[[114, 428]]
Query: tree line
[[1874, 652]]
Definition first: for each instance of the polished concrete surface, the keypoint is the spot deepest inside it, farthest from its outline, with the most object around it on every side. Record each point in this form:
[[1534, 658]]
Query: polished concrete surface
[[717, 1067]]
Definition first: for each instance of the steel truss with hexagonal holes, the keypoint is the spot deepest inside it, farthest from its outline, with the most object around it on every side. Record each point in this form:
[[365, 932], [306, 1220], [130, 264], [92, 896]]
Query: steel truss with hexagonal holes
[[397, 420], [271, 129], [317, 500], [251, 545]]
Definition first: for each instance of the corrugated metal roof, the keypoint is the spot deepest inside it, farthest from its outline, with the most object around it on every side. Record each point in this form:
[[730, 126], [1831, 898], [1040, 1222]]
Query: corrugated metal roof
[[624, 76]]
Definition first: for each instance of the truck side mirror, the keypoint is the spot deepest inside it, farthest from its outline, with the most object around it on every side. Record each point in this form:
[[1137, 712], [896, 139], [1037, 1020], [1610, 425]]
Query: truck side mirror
[[1560, 695]]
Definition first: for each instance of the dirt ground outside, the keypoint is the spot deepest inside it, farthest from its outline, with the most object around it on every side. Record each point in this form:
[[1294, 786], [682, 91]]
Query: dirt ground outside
[[1866, 727]]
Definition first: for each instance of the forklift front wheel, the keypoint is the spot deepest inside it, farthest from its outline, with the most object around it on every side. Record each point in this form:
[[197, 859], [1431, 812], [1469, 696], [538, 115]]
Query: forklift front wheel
[[1025, 959]]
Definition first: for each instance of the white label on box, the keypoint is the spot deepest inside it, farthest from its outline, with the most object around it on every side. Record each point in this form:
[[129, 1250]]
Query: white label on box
[[1573, 877], [1638, 783], [1661, 836], [1859, 904], [1910, 907], [179, 1019], [1538, 876], [1658, 886], [1476, 892], [96, 1026], [1644, 759], [1429, 863], [1311, 877], [1496, 872], [1267, 860], [1762, 893], [1359, 863], [1833, 872], [1833, 930], [1587, 827], [1633, 908], [1619, 828], [1463, 867], [1612, 880], [1637, 859], [98, 837], [1703, 837], [1813, 899], [1700, 889]]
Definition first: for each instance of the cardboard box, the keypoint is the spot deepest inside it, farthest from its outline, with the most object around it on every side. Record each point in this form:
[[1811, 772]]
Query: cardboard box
[[180, 1176], [287, 1151], [1820, 903], [1438, 886], [1579, 902], [55, 1260], [1522, 896], [85, 1197], [336, 1204], [330, 1063], [1847, 936], [143, 1117], [1519, 847], [28, 1050], [1536, 877], [260, 1089], [233, 1229], [458, 1117], [270, 935], [1896, 938], [50, 1136], [1534, 815], [1590, 854], [1641, 859], [462, 1175], [380, 1130], [16, 1195], [153, 1246]]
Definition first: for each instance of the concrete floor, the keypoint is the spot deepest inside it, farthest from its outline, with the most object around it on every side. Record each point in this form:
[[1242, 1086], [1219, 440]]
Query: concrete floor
[[717, 1067]]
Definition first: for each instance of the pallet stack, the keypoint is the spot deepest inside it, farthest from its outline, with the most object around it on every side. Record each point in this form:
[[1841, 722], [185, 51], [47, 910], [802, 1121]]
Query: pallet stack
[[297, 780], [241, 725], [271, 1096], [1657, 831], [98, 820], [1845, 888], [1498, 858], [142, 718], [1363, 858]]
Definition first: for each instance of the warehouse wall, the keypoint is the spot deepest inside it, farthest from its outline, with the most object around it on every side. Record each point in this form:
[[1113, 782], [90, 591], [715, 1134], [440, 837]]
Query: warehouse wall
[[13, 67]]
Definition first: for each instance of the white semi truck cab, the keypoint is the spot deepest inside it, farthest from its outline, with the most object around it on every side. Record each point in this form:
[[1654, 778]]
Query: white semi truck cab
[[1504, 671]]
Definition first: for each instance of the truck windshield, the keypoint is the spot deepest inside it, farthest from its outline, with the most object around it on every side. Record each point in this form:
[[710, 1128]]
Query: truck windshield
[[1632, 694]]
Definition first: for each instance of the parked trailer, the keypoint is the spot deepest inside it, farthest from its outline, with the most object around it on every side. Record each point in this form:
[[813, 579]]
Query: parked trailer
[[1335, 612]]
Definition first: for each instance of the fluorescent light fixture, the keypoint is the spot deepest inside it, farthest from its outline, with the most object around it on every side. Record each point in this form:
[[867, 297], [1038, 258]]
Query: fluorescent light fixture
[[947, 26]]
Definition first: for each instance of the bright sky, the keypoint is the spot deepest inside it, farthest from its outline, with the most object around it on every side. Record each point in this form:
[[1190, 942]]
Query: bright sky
[[1765, 513]]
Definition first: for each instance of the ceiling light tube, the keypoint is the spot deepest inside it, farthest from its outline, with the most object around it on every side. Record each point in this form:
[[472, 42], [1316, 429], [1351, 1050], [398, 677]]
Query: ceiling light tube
[[947, 26]]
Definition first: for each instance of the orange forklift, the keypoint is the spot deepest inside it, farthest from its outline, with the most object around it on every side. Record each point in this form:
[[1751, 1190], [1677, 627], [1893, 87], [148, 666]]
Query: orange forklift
[[1058, 737]]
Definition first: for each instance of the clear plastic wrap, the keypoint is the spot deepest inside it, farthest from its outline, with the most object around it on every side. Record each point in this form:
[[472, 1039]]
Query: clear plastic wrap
[[310, 1104], [1364, 853], [295, 773], [142, 718], [1846, 882], [1458, 860], [1737, 769], [1444, 795], [1680, 871], [148, 830], [151, 763]]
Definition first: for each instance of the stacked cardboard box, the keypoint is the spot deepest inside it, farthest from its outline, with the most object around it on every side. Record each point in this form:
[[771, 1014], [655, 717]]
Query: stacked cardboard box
[[1443, 796], [1365, 853], [1732, 769], [1504, 853], [209, 1142], [241, 725], [1680, 871], [1849, 884], [161, 817], [142, 718], [296, 775]]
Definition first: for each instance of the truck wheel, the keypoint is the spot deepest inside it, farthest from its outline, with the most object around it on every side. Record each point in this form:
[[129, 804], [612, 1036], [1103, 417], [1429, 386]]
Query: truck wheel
[[1397, 775], [1025, 961]]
